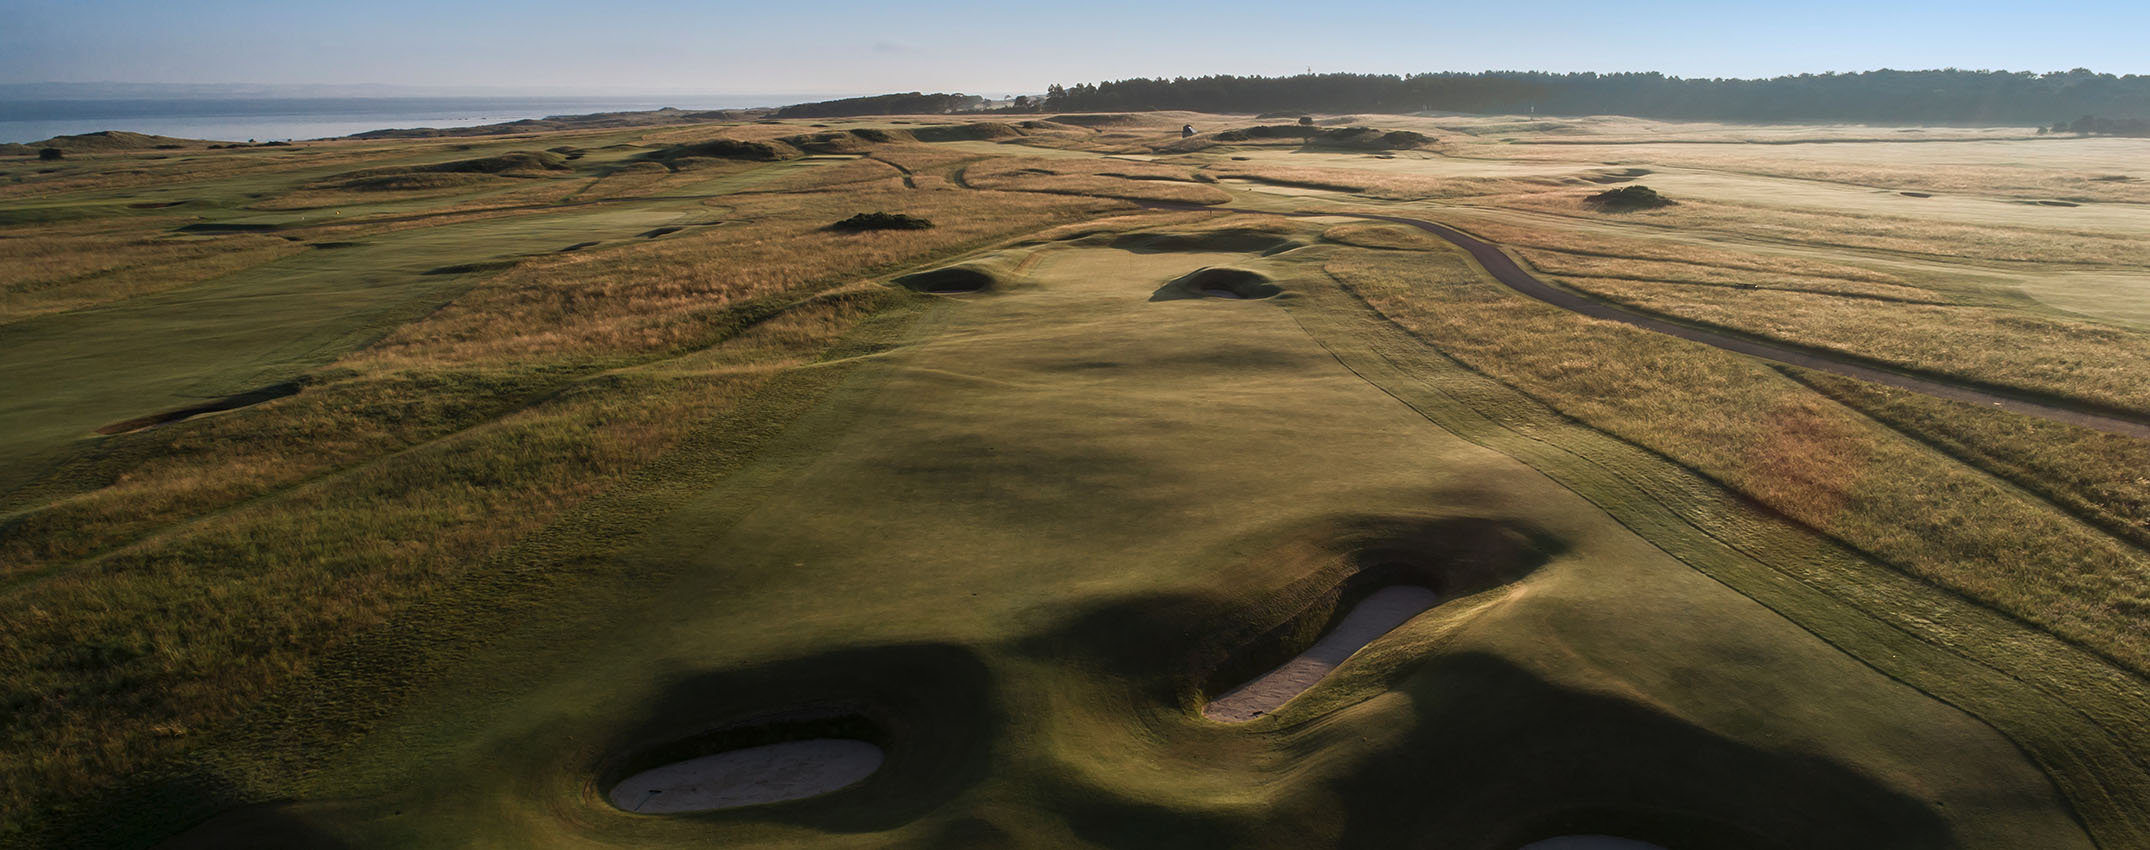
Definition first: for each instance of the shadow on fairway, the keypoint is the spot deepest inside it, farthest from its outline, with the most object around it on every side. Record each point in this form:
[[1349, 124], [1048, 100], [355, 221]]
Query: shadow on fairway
[[1499, 757]]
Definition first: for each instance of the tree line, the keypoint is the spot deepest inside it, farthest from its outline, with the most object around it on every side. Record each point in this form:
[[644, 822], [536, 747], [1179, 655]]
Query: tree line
[[1885, 96]]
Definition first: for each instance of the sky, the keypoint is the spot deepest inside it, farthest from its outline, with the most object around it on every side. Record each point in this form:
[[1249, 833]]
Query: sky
[[1000, 48]]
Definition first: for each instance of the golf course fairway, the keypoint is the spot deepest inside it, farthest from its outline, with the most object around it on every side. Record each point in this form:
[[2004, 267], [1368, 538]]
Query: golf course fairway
[[1021, 480], [1016, 549]]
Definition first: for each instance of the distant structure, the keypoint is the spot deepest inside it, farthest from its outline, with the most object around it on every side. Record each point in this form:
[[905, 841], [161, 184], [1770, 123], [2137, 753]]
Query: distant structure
[[1187, 131]]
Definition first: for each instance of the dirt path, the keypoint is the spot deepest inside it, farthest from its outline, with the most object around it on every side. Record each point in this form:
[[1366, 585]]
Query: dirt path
[[1504, 269]]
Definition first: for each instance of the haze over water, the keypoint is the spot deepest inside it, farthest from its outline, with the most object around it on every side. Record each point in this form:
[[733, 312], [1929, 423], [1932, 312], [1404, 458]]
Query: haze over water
[[284, 119]]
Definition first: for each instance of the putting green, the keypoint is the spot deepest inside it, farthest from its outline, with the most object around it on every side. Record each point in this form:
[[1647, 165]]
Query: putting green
[[1010, 552]]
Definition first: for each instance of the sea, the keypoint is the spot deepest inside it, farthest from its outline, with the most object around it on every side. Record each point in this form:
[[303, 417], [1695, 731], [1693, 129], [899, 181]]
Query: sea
[[297, 119]]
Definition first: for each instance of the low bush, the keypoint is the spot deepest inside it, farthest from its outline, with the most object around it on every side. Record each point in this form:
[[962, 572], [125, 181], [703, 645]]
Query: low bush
[[881, 221], [1627, 198]]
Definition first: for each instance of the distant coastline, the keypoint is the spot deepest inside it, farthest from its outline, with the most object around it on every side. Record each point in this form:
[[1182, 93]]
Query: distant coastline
[[297, 118]]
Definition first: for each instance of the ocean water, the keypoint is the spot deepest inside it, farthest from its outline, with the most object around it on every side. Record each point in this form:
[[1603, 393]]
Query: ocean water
[[287, 119]]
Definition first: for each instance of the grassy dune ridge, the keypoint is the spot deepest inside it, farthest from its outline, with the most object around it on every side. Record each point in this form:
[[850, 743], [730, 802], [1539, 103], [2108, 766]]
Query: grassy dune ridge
[[643, 396]]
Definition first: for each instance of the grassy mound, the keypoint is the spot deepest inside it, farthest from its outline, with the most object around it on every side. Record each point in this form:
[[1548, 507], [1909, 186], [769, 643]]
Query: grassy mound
[[881, 221], [1354, 138], [982, 131], [1629, 199], [112, 140], [507, 163], [847, 141], [1394, 237], [408, 182], [774, 151], [1112, 119], [462, 172]]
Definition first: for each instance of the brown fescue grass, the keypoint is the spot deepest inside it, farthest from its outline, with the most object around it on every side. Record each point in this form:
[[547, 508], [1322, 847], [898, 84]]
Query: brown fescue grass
[[2101, 364], [66, 268], [1911, 236], [1722, 268], [674, 294], [1124, 179], [1372, 184], [2103, 478], [2063, 168], [1779, 443], [1394, 237]]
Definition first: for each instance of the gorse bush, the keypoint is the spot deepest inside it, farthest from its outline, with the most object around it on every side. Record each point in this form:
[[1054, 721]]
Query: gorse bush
[[881, 221], [1628, 198]]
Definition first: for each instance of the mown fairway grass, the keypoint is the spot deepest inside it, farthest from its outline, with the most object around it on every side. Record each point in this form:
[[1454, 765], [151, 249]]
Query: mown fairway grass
[[542, 513]]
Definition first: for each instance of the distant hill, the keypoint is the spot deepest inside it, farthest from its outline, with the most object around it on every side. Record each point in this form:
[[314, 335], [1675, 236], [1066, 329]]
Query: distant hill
[[594, 120], [102, 142], [907, 103]]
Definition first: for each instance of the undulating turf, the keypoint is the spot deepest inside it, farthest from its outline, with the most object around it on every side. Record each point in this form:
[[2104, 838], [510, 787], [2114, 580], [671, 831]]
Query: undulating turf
[[607, 451]]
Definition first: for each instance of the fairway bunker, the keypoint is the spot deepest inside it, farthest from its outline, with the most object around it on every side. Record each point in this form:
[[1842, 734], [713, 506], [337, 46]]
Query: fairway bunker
[[1219, 282], [859, 739], [1590, 842], [1382, 573], [750, 776], [230, 402], [1374, 616], [951, 280]]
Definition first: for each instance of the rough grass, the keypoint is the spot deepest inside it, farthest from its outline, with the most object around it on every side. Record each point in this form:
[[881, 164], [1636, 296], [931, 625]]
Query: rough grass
[[2103, 478], [1912, 236], [69, 268], [1788, 448], [1128, 180], [271, 535]]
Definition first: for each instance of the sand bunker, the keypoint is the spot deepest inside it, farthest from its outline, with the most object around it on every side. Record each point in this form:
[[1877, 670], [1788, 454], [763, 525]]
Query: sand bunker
[[773, 773], [1377, 615], [1590, 842], [1218, 282], [230, 402]]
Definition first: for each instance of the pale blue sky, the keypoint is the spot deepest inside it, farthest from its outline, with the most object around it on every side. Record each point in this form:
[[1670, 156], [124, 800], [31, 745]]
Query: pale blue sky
[[1000, 48]]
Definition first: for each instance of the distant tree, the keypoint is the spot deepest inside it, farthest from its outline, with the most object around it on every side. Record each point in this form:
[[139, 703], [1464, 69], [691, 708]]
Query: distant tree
[[1869, 96], [1022, 101], [50, 154], [1306, 120]]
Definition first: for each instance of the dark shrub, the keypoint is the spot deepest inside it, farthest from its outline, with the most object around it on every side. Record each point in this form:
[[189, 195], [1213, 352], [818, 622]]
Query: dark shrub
[[50, 154], [1628, 198], [881, 221]]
